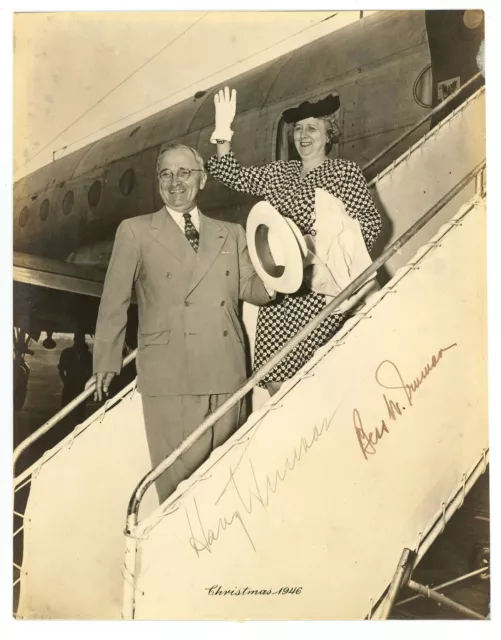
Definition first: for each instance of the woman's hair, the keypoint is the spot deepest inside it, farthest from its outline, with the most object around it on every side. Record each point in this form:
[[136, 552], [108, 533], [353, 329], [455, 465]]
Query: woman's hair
[[332, 129]]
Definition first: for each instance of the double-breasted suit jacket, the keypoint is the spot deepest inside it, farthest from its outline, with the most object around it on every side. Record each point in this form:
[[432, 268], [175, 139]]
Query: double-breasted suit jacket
[[190, 339]]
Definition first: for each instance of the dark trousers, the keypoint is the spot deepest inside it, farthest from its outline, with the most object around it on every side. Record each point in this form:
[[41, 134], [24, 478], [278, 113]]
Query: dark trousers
[[171, 419]]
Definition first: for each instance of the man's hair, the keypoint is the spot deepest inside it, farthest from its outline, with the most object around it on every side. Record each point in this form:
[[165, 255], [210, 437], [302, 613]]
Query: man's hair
[[172, 147]]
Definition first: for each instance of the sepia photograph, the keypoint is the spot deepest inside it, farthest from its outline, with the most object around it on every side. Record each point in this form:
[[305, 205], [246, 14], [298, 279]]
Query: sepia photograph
[[250, 332]]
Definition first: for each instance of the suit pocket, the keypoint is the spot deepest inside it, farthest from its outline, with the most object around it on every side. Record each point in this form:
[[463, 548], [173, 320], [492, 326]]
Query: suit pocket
[[151, 339]]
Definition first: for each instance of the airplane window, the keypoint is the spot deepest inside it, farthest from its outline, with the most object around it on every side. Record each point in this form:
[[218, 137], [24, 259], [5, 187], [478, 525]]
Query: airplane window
[[94, 194], [127, 182], [68, 202], [44, 210], [473, 18], [23, 217], [423, 88]]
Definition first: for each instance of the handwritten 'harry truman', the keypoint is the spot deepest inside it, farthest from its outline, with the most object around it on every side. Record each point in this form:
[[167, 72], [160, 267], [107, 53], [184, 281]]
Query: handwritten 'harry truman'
[[368, 440], [260, 493]]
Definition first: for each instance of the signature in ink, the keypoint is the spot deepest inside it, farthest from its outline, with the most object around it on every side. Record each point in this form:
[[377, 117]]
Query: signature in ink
[[368, 440], [209, 536], [258, 492]]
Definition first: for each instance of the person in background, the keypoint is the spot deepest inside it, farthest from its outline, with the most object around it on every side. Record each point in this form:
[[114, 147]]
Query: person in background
[[75, 367], [290, 187]]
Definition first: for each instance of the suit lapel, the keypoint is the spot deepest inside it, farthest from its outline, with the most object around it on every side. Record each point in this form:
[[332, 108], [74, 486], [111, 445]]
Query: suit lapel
[[212, 238], [166, 232]]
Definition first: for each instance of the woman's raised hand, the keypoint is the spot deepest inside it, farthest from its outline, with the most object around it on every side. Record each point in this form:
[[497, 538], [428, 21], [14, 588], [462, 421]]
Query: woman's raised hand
[[225, 103]]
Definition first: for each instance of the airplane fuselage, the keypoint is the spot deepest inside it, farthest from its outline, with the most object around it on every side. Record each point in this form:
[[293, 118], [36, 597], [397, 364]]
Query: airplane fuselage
[[388, 70]]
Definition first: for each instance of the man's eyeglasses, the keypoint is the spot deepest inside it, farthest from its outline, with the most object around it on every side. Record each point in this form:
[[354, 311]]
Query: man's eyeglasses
[[182, 174]]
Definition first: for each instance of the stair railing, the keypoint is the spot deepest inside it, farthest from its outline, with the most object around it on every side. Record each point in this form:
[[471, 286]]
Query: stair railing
[[132, 520]]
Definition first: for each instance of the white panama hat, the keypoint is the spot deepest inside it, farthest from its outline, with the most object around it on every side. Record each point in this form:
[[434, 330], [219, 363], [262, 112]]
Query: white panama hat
[[277, 248]]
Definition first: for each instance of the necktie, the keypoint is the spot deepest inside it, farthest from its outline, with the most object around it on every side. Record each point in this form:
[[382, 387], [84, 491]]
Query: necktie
[[190, 231]]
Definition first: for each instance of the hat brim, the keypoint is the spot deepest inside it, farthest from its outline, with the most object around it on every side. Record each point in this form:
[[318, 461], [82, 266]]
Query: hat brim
[[265, 226]]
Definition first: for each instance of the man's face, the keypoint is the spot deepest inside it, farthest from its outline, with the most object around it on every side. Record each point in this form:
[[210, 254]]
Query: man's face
[[180, 195]]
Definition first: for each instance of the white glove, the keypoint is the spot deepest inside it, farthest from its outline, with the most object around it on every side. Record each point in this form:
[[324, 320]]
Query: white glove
[[226, 107]]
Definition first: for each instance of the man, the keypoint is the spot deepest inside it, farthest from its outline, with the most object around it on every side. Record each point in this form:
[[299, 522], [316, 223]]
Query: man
[[189, 272], [75, 367]]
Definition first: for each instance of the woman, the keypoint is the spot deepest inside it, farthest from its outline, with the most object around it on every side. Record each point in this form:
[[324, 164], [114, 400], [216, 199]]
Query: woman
[[290, 188]]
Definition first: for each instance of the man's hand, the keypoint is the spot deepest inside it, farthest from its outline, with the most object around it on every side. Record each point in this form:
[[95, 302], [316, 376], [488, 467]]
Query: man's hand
[[103, 381]]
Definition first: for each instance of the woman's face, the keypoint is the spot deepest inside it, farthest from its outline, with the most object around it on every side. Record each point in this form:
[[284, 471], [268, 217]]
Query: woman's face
[[310, 138]]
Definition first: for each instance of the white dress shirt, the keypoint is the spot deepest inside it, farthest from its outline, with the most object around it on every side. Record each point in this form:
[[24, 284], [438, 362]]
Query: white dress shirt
[[177, 216]]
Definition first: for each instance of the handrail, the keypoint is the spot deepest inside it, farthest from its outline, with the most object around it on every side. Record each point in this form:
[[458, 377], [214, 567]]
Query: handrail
[[419, 123], [60, 415], [152, 475], [442, 516]]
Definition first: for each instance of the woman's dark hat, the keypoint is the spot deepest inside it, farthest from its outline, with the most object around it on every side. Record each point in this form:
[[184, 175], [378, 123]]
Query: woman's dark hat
[[308, 109]]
